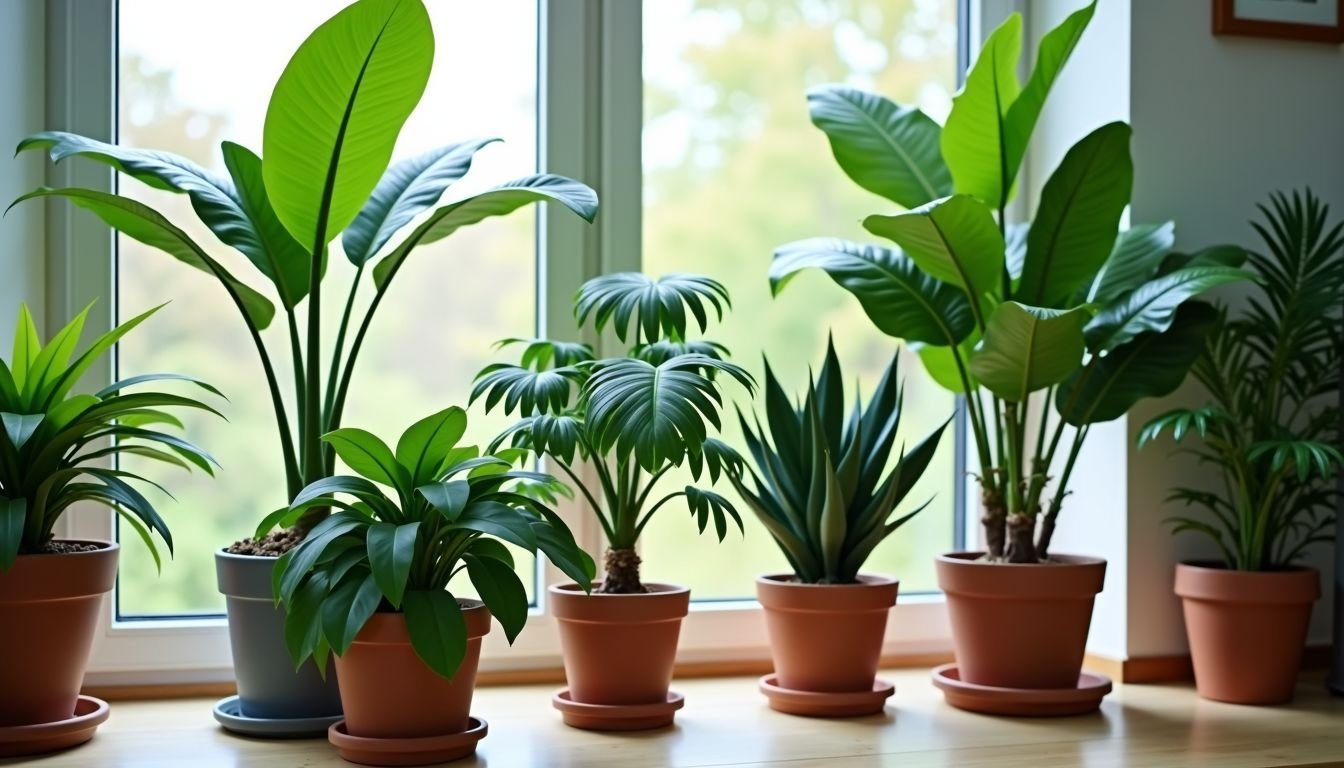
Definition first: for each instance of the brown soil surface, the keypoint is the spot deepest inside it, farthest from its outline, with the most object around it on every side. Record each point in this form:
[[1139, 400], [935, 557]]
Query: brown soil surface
[[66, 547], [273, 544]]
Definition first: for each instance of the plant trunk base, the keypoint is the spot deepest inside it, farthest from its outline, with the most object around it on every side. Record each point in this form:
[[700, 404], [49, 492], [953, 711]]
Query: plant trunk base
[[622, 573], [1021, 547]]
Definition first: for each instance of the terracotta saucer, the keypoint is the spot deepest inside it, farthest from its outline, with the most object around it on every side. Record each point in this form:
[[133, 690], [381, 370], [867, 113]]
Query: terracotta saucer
[[1022, 702], [826, 704], [426, 750], [617, 717], [229, 714], [62, 734]]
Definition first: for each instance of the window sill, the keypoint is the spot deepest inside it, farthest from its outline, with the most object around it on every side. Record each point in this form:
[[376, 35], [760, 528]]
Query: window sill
[[726, 723]]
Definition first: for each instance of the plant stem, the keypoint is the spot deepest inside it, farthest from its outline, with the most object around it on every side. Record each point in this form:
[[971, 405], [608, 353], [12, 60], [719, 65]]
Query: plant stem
[[1061, 490], [312, 445], [333, 373]]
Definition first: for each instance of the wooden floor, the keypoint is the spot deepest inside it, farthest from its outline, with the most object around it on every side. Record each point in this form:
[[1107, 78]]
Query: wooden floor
[[726, 723]]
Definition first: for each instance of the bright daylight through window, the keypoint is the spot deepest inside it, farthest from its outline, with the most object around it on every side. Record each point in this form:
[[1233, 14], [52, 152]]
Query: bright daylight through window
[[724, 112]]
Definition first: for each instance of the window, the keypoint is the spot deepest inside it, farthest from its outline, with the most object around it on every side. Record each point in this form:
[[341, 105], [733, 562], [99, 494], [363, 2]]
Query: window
[[731, 168]]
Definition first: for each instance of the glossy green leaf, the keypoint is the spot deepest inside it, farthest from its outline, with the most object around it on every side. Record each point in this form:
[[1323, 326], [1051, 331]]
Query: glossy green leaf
[[1028, 348], [1051, 56], [900, 299], [1149, 365], [1151, 306], [499, 520], [142, 223], [408, 188], [336, 111], [500, 201], [347, 609], [1135, 258], [974, 136], [27, 346], [1214, 256], [483, 547], [53, 359], [260, 235], [363, 452], [883, 147], [19, 427], [437, 629], [424, 446], [941, 364], [449, 497], [954, 240], [501, 591], [1077, 218], [391, 550], [13, 513]]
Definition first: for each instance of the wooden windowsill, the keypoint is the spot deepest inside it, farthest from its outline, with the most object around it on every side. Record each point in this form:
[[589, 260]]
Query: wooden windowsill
[[726, 723]]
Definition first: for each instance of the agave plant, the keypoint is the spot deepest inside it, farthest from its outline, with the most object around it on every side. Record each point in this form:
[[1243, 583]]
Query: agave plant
[[1271, 426], [333, 119], [821, 490], [54, 448], [634, 418], [1066, 310], [449, 507]]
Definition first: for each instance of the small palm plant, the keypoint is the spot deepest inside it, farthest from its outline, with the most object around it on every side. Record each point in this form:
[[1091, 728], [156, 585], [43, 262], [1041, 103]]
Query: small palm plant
[[400, 552], [632, 418], [54, 447], [1272, 373], [821, 491]]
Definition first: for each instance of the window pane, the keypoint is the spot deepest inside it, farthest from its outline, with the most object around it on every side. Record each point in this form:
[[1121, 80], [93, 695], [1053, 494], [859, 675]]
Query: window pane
[[732, 169], [192, 74]]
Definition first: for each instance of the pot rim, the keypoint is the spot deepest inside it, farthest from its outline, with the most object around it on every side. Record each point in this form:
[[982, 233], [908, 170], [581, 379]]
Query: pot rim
[[667, 602], [104, 547], [222, 552], [389, 627], [866, 581], [971, 559], [1217, 566], [1223, 585], [656, 590]]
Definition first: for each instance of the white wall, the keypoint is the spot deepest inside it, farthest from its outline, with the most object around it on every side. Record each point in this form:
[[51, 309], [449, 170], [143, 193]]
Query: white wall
[[1219, 123], [22, 92]]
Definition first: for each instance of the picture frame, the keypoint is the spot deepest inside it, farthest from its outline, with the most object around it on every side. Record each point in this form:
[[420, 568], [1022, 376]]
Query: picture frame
[[1320, 21]]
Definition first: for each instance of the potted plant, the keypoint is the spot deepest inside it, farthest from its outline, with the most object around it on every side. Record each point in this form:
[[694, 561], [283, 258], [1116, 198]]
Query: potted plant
[[631, 420], [331, 125], [826, 619], [55, 451], [370, 582], [1271, 428], [1046, 328]]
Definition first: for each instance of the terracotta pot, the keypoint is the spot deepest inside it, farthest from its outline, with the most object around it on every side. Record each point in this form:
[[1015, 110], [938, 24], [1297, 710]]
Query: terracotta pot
[[1020, 625], [619, 649], [48, 616], [389, 693], [1246, 629], [826, 637]]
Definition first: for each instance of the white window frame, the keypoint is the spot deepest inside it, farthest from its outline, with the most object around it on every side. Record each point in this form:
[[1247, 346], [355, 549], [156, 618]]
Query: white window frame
[[590, 119]]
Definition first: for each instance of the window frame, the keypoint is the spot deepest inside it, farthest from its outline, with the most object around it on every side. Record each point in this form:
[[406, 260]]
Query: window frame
[[590, 114]]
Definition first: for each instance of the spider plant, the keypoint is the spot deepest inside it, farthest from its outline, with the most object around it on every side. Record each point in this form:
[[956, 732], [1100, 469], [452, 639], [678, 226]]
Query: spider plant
[[448, 509], [632, 418], [821, 490], [1271, 424], [56, 446], [1065, 311], [331, 124]]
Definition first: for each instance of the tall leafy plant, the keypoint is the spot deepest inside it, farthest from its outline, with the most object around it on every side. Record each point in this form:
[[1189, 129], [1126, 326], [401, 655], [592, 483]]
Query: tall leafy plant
[[333, 119], [1271, 424], [410, 520], [827, 487], [1065, 321], [55, 445], [631, 418]]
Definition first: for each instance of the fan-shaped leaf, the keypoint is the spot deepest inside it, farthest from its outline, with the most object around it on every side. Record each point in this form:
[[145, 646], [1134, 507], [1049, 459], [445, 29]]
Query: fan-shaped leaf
[[641, 307]]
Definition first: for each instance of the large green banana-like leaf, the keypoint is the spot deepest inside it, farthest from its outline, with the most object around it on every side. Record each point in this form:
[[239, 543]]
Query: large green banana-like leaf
[[1149, 365], [1134, 260], [974, 136], [1051, 55], [883, 147], [1028, 348], [954, 240], [940, 362], [406, 189], [657, 306], [1077, 218], [500, 201], [1212, 256], [140, 222], [1151, 306], [336, 110], [656, 413], [269, 245], [900, 299]]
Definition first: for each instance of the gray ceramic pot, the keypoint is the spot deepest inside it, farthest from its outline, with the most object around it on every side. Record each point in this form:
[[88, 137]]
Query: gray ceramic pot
[[268, 686]]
